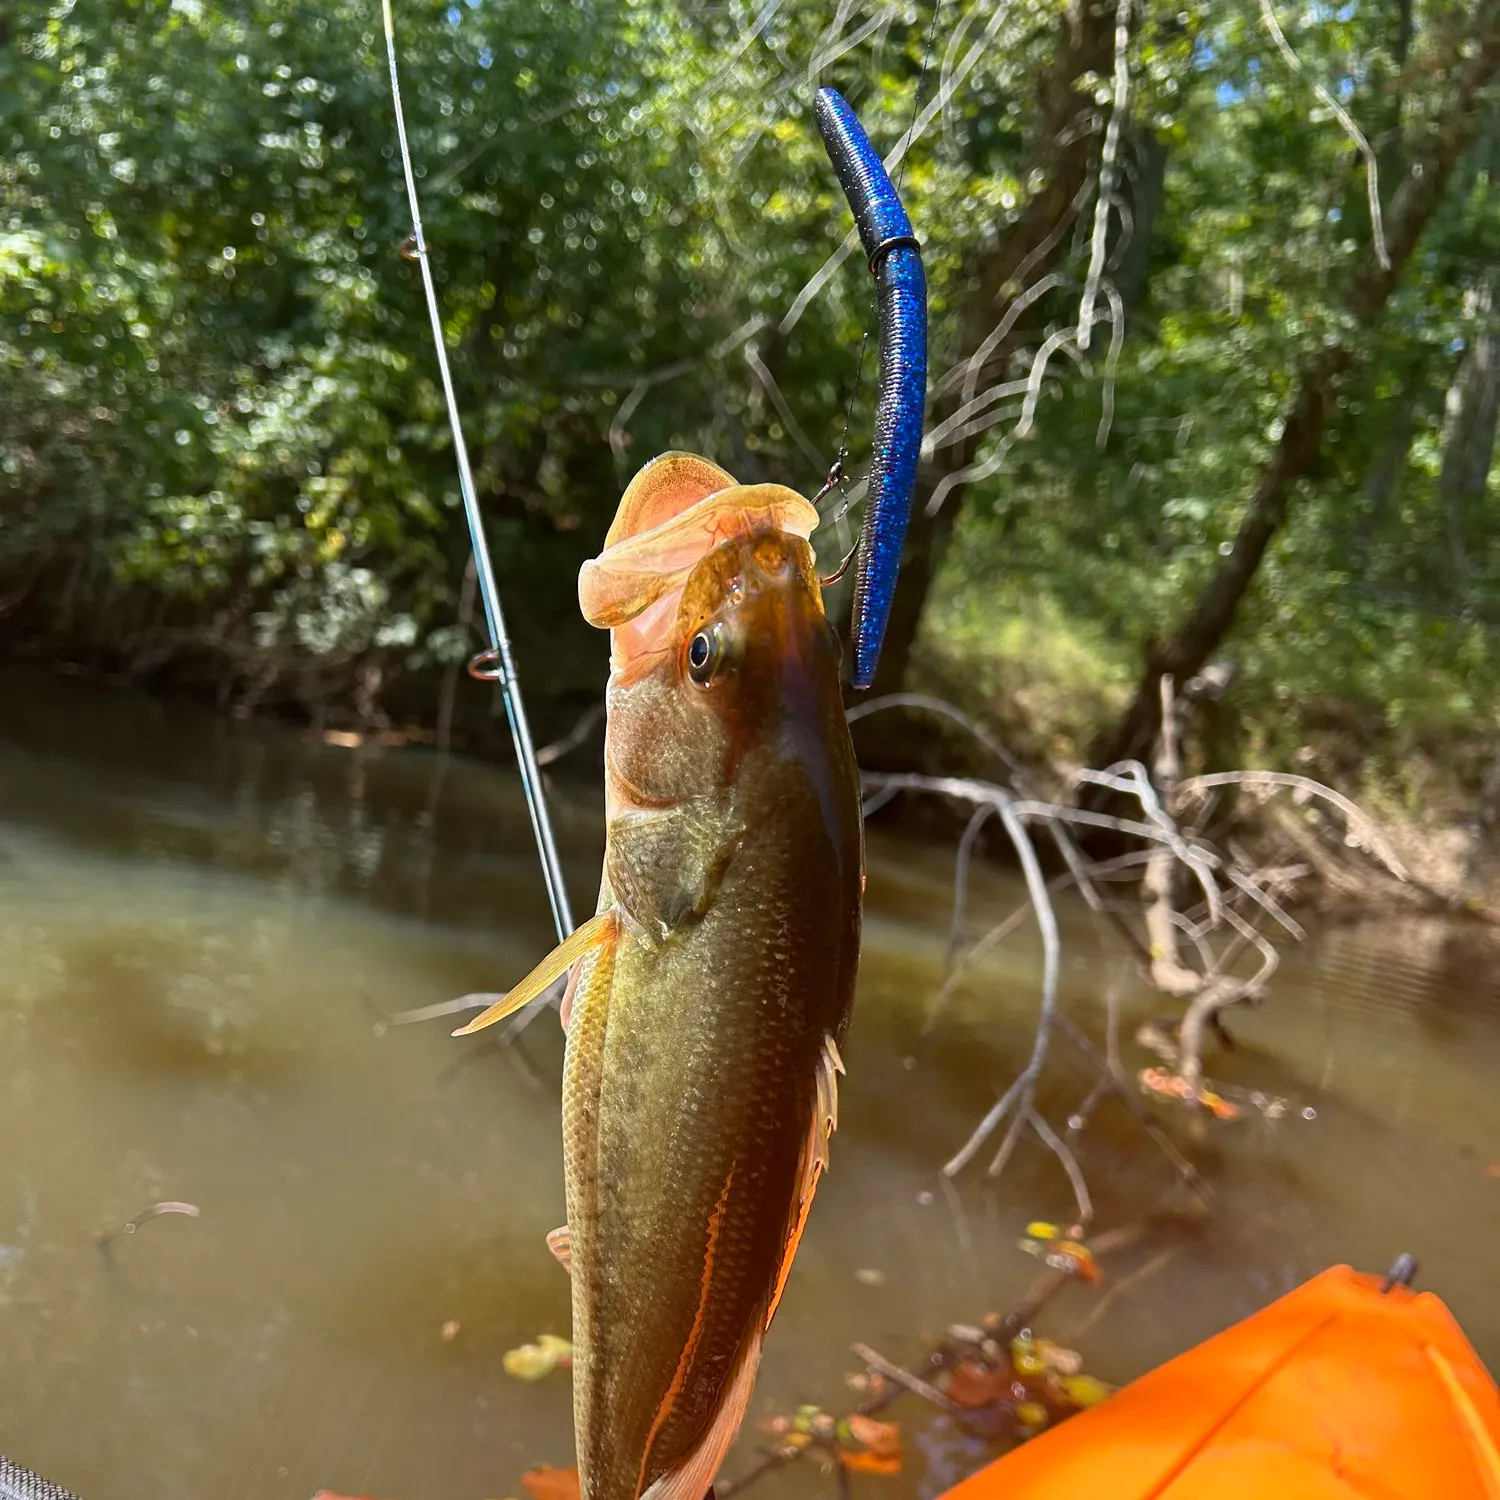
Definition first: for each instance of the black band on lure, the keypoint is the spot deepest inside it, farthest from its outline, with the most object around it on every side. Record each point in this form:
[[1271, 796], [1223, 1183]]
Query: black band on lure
[[894, 242]]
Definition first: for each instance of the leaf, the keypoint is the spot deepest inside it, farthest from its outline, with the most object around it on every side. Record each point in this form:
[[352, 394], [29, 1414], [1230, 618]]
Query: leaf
[[1218, 1105], [533, 1361], [547, 1483], [1040, 1230], [1025, 1359], [974, 1385], [1084, 1390], [882, 1438], [1032, 1415], [869, 1463], [1057, 1360]]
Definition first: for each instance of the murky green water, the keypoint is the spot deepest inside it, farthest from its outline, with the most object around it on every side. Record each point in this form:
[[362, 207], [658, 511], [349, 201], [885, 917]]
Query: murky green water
[[200, 926]]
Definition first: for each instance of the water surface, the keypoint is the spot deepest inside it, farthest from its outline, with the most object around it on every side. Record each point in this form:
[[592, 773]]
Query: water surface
[[202, 924]]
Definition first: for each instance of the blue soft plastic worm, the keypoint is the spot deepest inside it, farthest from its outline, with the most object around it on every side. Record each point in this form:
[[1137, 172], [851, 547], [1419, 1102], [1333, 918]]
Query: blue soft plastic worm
[[901, 308]]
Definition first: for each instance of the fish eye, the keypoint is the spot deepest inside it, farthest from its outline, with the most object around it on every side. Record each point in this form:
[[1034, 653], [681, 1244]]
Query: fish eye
[[706, 654]]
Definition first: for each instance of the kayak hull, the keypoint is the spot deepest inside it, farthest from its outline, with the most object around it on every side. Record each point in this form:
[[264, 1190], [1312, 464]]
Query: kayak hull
[[1339, 1389]]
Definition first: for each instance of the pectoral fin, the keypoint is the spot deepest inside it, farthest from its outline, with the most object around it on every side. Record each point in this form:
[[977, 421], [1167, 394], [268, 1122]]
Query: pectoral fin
[[595, 933], [665, 865], [825, 1119], [560, 1243]]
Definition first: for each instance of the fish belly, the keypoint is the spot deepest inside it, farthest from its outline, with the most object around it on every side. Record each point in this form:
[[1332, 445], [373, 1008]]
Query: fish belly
[[689, 1095]]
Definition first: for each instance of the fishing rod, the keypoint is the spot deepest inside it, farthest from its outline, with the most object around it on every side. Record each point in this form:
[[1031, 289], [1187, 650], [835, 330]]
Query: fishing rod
[[496, 664]]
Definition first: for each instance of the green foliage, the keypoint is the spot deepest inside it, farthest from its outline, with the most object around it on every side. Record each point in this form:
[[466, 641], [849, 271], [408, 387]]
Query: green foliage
[[1372, 631], [220, 427]]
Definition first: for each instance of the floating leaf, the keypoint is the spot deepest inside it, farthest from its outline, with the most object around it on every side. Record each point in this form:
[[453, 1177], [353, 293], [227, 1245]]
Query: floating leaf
[[1072, 1259], [533, 1361], [1164, 1084], [880, 1445], [879, 1449], [1059, 1361], [1221, 1108], [547, 1483], [1025, 1359], [1172, 1086], [883, 1438], [974, 1385], [869, 1463], [1032, 1415], [1040, 1230], [1085, 1390]]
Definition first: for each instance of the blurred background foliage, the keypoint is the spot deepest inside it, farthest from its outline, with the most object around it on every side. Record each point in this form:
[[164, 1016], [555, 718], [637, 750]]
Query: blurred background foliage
[[224, 461]]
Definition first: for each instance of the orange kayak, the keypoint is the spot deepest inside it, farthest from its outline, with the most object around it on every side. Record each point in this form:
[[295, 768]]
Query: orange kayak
[[1339, 1389]]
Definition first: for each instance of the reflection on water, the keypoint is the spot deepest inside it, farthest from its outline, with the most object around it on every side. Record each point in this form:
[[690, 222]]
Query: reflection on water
[[201, 925]]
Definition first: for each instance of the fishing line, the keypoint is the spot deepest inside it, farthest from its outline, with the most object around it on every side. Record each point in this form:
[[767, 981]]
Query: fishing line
[[496, 664], [837, 474]]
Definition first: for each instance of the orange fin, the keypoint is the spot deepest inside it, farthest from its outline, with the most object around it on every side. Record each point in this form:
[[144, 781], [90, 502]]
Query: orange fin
[[814, 1158], [560, 1243], [565, 1010], [594, 933]]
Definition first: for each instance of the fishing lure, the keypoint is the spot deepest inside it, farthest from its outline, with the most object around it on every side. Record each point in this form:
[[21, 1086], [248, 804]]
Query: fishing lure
[[895, 259]]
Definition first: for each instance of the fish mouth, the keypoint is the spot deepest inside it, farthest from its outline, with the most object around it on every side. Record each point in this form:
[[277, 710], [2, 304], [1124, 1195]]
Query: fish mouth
[[634, 587], [633, 572]]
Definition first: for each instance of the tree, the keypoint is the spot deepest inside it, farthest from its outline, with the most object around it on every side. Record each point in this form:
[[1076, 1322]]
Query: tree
[[1318, 384]]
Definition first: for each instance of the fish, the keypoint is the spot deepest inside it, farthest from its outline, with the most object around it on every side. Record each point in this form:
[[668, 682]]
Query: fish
[[709, 997], [17, 1483]]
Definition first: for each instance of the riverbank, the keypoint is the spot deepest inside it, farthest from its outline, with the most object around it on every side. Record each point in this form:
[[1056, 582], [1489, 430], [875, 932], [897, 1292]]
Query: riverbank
[[1038, 710]]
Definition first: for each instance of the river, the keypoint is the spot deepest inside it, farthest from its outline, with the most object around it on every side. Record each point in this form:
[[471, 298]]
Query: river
[[203, 924]]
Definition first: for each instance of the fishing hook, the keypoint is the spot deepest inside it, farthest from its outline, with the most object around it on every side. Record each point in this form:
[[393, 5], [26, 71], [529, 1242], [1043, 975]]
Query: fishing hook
[[895, 258]]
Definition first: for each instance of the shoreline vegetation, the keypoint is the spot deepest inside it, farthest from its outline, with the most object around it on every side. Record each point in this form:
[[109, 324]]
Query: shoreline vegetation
[[1214, 396]]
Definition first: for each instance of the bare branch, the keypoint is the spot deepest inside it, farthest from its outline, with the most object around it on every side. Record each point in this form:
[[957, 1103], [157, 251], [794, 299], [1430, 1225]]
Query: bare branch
[[979, 817], [768, 382], [1217, 996], [949, 711], [826, 54], [573, 738], [970, 474], [946, 428], [1355, 134], [1111, 364], [1060, 1149], [972, 368], [1051, 964], [1119, 102], [1050, 345], [1362, 831], [915, 1384]]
